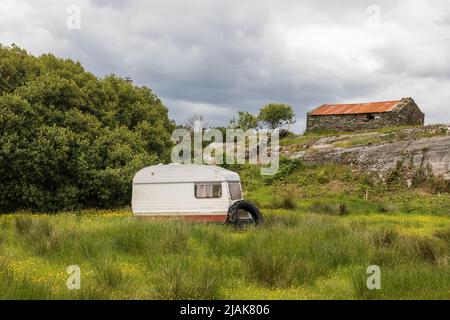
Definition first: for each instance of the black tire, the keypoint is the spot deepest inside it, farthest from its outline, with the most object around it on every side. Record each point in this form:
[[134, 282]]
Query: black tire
[[233, 212]]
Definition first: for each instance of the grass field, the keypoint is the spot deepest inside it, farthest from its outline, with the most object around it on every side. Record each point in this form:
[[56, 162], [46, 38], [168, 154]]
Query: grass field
[[320, 235]]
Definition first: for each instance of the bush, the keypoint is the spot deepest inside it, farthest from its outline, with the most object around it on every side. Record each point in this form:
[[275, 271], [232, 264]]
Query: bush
[[283, 133], [421, 176], [71, 139], [286, 168]]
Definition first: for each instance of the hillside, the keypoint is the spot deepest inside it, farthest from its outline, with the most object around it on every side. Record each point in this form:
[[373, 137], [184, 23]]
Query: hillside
[[377, 151]]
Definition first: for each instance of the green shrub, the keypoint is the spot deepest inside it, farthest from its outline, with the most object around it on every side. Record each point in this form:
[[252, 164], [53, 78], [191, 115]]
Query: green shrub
[[286, 168], [74, 140]]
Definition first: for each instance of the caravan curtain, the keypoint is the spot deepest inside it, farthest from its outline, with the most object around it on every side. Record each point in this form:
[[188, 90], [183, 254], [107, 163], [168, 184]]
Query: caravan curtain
[[208, 190]]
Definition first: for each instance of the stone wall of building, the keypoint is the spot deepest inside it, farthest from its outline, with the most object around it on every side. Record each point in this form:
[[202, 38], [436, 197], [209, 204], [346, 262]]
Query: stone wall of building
[[405, 113], [408, 113]]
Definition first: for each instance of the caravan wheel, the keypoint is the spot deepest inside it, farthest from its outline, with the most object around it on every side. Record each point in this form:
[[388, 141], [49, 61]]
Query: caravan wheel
[[242, 212]]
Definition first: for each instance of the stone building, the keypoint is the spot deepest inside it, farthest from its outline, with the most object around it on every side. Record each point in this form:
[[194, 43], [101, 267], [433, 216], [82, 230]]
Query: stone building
[[365, 116]]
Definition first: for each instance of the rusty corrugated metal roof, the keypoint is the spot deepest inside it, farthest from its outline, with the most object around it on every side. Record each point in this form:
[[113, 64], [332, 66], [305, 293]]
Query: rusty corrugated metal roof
[[353, 108]]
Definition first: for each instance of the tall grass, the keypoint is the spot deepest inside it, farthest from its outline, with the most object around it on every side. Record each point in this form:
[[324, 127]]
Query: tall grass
[[295, 251], [39, 233], [141, 237], [404, 282], [188, 278], [385, 237], [329, 208], [109, 275]]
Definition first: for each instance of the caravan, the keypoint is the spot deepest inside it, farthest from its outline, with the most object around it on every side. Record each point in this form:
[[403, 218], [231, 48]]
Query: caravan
[[192, 192]]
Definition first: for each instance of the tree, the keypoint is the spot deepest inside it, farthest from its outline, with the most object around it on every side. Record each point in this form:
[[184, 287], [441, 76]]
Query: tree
[[276, 115], [244, 121], [70, 140]]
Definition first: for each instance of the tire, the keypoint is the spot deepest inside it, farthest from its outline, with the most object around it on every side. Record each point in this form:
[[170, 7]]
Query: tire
[[233, 212]]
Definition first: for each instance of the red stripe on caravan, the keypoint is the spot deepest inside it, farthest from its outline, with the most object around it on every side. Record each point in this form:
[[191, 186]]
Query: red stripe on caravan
[[196, 218]]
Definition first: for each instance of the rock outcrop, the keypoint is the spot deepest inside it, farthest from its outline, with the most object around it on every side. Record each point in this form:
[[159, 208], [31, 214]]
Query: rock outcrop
[[429, 144]]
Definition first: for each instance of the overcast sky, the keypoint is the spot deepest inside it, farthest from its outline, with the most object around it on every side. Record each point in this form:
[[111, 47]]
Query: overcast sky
[[218, 57]]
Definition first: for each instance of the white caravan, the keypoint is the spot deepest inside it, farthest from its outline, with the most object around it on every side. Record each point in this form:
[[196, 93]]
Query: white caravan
[[193, 192]]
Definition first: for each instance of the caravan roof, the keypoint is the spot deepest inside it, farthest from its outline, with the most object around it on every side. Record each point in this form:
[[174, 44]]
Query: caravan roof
[[174, 173]]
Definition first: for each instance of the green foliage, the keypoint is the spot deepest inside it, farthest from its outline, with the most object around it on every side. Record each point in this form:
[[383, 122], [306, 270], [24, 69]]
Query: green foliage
[[275, 115], [71, 140], [244, 121], [286, 168], [417, 176]]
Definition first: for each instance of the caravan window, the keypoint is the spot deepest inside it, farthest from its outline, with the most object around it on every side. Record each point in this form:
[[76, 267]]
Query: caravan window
[[235, 190], [208, 190]]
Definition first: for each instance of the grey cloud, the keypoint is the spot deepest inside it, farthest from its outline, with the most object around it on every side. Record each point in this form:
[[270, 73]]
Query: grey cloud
[[218, 57]]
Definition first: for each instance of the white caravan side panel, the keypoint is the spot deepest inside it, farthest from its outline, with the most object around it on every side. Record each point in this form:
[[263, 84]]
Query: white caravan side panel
[[166, 199]]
